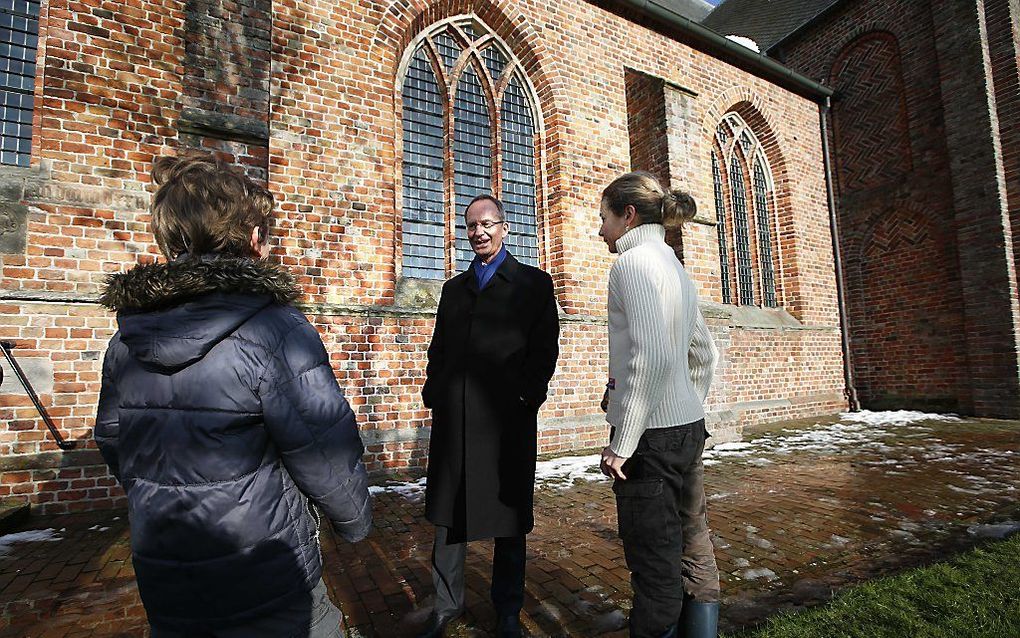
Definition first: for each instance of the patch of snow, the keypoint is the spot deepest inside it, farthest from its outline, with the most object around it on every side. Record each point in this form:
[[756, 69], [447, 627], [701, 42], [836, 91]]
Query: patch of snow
[[755, 574], [741, 562], [761, 542], [48, 535], [895, 417], [855, 431], [733, 445], [559, 473], [744, 42], [994, 530], [412, 490], [562, 472]]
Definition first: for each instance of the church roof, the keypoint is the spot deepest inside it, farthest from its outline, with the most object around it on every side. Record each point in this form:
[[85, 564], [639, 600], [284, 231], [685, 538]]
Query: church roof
[[692, 9], [764, 21]]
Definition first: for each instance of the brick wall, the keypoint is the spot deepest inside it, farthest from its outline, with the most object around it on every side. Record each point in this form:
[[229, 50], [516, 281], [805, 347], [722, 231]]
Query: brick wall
[[931, 298], [329, 153]]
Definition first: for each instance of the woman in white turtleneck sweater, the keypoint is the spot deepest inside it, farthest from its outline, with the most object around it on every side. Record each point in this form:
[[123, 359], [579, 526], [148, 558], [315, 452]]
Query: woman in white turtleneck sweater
[[661, 361]]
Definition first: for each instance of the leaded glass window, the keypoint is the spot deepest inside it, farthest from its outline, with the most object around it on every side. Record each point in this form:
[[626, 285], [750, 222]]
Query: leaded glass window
[[19, 39], [744, 210], [722, 134], [519, 194], [448, 50], [495, 62], [424, 219], [761, 209], [461, 79], [745, 279], [720, 215], [472, 154]]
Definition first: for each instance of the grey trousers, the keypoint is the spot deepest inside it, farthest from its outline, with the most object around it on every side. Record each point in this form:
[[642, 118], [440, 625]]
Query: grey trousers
[[311, 616], [508, 561]]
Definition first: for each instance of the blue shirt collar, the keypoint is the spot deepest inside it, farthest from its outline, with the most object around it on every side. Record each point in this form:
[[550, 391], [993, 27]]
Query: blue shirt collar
[[485, 272]]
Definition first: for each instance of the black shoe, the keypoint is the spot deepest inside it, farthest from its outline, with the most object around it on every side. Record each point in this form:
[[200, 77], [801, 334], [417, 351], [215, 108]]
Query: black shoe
[[437, 623], [509, 627]]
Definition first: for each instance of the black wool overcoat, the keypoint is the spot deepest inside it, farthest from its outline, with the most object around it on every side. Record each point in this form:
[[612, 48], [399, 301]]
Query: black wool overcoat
[[489, 364]]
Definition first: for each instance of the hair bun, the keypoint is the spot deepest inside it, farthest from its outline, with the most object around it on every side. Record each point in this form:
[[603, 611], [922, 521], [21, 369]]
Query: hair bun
[[678, 207]]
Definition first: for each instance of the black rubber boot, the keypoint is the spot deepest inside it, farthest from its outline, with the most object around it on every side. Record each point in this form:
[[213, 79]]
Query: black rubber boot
[[699, 620]]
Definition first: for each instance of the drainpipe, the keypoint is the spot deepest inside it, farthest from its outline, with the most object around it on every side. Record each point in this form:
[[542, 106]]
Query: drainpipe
[[844, 326]]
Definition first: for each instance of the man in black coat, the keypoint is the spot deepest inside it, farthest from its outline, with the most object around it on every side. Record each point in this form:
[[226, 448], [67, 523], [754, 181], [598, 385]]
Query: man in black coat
[[492, 354], [221, 417]]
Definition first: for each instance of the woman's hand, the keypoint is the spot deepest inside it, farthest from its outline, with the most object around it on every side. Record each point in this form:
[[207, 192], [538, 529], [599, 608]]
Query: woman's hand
[[612, 464]]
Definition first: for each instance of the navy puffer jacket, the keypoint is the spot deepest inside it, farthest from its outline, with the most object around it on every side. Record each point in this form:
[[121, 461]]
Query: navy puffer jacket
[[221, 417]]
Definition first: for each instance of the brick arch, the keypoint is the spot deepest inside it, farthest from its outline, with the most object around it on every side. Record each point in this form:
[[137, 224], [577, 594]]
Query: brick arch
[[859, 31], [870, 122], [890, 272], [751, 105], [402, 21], [892, 229]]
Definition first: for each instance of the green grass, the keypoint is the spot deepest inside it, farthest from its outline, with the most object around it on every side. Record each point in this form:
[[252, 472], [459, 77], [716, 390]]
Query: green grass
[[976, 594]]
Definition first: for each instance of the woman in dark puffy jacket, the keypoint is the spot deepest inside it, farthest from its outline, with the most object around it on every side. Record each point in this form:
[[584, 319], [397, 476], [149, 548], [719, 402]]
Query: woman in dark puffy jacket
[[222, 419]]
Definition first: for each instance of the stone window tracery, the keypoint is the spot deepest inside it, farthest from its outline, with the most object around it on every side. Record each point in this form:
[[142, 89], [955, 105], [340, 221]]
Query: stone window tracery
[[470, 126], [745, 208]]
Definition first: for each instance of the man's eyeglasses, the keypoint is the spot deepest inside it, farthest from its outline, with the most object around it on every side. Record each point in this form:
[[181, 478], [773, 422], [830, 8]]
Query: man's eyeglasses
[[487, 224]]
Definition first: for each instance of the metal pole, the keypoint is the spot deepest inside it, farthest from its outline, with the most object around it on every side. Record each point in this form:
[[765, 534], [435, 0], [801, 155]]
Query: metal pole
[[7, 346], [844, 324]]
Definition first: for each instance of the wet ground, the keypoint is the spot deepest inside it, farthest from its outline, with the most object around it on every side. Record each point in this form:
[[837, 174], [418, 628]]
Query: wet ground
[[798, 512]]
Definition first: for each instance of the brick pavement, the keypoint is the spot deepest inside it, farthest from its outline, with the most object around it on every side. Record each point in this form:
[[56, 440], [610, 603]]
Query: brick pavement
[[797, 513]]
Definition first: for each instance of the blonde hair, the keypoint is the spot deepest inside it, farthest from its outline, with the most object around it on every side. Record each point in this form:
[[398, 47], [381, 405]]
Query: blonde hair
[[654, 203], [203, 205]]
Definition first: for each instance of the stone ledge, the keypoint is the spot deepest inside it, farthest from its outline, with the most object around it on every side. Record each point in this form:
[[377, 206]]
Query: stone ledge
[[755, 317], [223, 126], [734, 316], [14, 511], [382, 437], [51, 460]]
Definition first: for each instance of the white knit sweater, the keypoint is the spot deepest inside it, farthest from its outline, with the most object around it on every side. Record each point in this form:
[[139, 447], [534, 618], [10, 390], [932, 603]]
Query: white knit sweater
[[661, 355]]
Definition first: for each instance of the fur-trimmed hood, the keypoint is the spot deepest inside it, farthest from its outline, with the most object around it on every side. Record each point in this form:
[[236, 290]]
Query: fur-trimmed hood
[[150, 287], [171, 315]]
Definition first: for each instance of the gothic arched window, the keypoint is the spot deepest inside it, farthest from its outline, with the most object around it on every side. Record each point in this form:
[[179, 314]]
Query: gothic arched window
[[470, 127], [19, 39], [745, 208]]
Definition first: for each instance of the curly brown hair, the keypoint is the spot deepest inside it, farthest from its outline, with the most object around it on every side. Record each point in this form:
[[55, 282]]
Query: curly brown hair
[[203, 205]]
